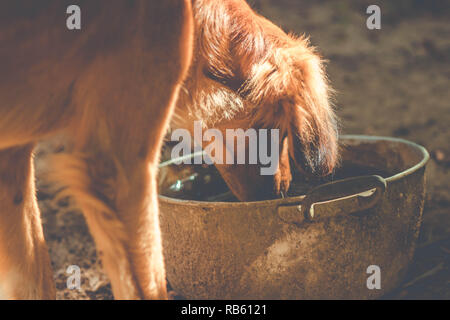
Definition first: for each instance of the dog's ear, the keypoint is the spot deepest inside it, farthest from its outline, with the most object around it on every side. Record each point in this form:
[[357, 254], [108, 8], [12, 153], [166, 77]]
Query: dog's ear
[[310, 121], [312, 137], [291, 91]]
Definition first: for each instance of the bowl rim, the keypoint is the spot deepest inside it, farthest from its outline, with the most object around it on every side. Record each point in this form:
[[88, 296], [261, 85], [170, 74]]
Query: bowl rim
[[298, 199]]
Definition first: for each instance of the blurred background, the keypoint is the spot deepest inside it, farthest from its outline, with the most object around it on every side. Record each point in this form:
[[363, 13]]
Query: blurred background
[[389, 82]]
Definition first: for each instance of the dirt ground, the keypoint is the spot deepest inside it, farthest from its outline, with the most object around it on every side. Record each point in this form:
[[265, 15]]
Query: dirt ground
[[389, 82]]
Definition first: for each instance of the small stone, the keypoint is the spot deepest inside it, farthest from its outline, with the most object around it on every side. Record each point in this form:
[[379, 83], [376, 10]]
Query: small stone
[[439, 155]]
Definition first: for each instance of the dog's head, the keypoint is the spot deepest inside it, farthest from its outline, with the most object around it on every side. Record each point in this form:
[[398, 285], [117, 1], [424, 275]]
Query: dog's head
[[249, 74]]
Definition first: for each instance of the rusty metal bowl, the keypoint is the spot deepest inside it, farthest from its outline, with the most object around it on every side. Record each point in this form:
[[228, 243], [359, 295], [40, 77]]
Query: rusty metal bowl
[[313, 246]]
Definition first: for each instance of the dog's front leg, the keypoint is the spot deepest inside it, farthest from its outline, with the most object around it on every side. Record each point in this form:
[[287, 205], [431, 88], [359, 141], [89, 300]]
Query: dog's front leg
[[119, 201], [25, 271]]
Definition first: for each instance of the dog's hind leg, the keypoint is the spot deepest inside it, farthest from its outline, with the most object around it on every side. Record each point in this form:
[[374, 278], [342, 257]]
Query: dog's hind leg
[[25, 271]]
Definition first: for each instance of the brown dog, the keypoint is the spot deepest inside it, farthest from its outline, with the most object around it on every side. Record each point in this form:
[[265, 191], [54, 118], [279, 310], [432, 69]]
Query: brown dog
[[111, 88]]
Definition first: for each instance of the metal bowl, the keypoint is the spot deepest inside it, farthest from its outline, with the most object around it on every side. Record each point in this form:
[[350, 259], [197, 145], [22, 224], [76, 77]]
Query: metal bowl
[[314, 246]]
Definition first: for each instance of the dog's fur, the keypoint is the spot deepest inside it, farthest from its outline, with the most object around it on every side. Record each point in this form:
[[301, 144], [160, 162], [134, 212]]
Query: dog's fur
[[112, 88], [248, 73]]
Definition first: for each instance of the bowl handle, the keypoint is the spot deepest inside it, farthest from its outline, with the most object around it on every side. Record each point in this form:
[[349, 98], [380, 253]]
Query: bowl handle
[[336, 191]]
